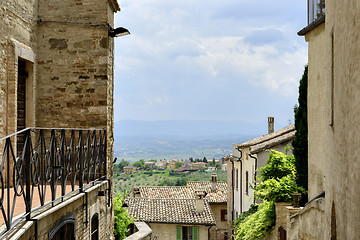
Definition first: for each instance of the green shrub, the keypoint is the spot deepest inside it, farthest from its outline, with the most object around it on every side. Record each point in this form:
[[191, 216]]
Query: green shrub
[[121, 218]]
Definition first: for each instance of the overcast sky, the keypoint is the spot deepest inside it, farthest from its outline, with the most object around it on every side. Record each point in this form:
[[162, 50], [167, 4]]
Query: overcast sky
[[209, 60]]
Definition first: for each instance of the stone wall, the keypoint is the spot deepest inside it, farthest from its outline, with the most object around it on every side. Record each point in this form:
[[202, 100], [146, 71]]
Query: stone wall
[[18, 29], [74, 64], [76, 206], [343, 164], [318, 109], [218, 231], [69, 60], [308, 223]]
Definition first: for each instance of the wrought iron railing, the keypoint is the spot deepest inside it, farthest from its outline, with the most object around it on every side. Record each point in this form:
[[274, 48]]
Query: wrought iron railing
[[316, 8], [49, 164]]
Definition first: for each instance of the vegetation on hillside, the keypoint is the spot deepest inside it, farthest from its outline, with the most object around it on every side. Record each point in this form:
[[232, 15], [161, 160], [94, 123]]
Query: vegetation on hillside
[[123, 183], [277, 184], [300, 143]]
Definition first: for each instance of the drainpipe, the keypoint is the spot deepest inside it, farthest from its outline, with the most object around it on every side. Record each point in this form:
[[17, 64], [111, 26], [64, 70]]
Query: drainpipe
[[232, 189], [240, 159], [209, 232], [255, 158]]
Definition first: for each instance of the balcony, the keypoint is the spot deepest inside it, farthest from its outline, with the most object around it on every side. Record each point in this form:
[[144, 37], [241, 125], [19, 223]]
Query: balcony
[[40, 167], [316, 9]]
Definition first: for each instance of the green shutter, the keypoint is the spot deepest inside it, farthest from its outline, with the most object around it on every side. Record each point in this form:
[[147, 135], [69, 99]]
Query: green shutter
[[178, 233], [195, 233]]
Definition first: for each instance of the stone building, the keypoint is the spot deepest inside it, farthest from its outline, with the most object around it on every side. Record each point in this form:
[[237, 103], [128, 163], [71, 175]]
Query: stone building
[[195, 211], [332, 212], [332, 35], [56, 71], [244, 162]]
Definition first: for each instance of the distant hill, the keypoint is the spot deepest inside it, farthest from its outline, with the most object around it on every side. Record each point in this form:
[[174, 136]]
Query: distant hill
[[133, 148], [181, 139]]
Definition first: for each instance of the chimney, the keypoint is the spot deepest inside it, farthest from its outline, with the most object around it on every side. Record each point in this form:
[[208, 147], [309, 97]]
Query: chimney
[[270, 125], [213, 182], [199, 198]]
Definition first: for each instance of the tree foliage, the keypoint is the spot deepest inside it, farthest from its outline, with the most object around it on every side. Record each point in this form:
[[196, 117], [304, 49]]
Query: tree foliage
[[120, 166], [121, 218], [278, 178], [139, 164], [300, 143]]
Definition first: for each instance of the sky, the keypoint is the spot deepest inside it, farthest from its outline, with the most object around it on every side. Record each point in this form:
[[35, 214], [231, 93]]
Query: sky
[[209, 60]]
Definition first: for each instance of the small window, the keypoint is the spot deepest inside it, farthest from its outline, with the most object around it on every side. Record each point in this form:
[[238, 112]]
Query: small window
[[247, 183], [237, 179], [95, 227], [187, 233], [224, 215]]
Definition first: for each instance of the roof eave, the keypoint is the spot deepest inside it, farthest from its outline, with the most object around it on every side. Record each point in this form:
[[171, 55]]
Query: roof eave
[[115, 5], [311, 26]]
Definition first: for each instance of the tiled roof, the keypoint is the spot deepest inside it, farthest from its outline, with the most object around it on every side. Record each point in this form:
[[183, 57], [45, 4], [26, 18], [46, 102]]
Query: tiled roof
[[179, 211], [166, 192], [267, 137], [273, 142], [218, 196]]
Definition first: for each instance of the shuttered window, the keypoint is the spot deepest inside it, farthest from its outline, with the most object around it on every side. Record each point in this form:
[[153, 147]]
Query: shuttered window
[[195, 233], [187, 233], [247, 183], [178, 233], [237, 179]]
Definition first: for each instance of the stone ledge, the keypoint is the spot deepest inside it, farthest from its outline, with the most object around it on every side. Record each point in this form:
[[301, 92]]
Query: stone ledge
[[143, 231]]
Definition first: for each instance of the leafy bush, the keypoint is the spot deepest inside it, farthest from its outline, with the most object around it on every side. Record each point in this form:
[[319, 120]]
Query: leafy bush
[[278, 178], [121, 218], [257, 225], [278, 183], [277, 190]]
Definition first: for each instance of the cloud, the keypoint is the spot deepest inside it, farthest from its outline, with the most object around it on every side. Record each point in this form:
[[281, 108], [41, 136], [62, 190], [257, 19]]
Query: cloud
[[187, 59]]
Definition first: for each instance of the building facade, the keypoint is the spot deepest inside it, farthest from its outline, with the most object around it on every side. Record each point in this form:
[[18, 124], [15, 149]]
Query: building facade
[[245, 161], [56, 71], [333, 114], [195, 211]]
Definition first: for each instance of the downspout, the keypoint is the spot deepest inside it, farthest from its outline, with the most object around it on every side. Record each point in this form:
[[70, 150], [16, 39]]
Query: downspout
[[232, 189], [255, 158], [240, 159], [209, 232]]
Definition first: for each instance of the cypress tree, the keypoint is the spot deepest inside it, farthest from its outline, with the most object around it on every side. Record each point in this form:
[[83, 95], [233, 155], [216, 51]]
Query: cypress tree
[[300, 143]]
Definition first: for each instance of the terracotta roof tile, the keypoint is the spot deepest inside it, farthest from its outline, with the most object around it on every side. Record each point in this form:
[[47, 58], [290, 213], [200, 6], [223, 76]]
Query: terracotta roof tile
[[179, 211], [217, 196], [161, 192]]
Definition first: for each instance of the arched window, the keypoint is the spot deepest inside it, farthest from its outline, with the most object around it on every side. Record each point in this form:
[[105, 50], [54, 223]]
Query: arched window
[[63, 229], [95, 227]]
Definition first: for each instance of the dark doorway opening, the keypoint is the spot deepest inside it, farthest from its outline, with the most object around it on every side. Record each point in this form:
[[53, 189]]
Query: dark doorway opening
[[21, 104]]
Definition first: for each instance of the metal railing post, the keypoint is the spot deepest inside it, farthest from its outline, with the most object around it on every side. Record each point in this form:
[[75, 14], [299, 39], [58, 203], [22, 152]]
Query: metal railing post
[[81, 160], [27, 173]]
